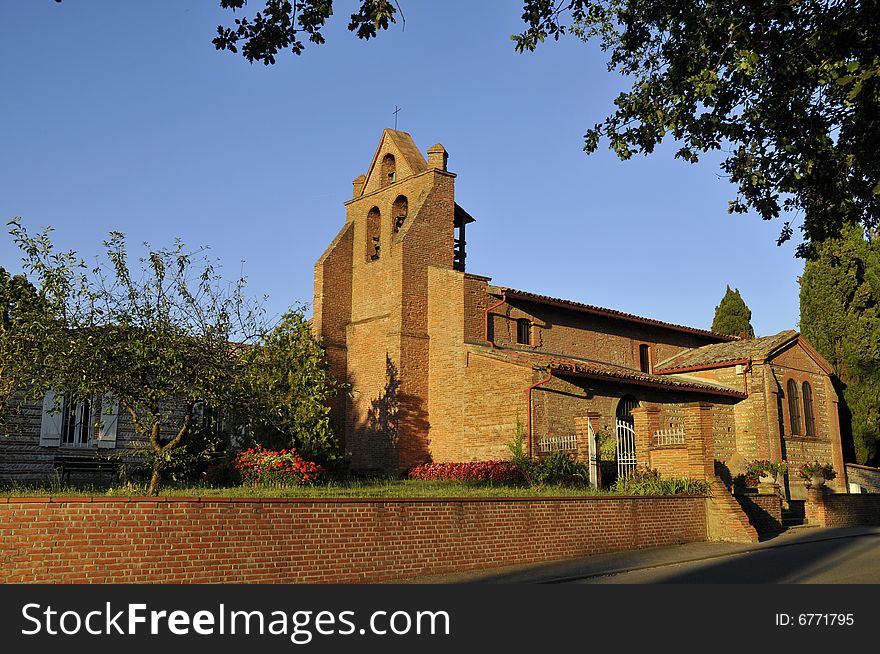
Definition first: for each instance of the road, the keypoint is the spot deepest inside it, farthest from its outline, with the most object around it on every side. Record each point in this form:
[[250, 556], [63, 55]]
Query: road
[[845, 560], [804, 555]]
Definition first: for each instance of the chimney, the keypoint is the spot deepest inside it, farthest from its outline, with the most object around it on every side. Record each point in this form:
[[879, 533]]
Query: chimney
[[358, 184], [437, 157]]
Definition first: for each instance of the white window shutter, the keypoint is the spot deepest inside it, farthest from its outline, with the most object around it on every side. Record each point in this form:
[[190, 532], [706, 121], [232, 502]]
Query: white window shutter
[[50, 426], [109, 422]]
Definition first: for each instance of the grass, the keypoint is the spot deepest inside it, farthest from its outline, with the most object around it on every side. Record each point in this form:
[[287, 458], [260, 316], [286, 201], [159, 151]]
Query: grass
[[380, 488]]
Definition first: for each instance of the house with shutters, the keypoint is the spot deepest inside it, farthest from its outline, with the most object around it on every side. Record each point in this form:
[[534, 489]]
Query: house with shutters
[[443, 363], [42, 436]]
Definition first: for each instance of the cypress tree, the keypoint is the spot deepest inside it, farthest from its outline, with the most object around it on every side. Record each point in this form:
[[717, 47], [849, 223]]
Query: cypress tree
[[840, 317], [732, 316]]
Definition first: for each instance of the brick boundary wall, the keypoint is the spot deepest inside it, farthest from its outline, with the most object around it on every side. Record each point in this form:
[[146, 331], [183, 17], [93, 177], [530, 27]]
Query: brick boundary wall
[[764, 511], [842, 510], [232, 540]]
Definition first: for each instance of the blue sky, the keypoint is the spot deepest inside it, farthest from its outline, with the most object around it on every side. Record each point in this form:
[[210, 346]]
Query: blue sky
[[122, 116]]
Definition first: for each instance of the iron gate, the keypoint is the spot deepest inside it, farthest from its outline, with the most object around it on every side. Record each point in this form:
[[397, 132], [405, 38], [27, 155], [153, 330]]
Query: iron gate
[[626, 436]]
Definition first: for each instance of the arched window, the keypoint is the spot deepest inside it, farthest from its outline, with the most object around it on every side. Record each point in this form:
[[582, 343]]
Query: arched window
[[809, 420], [398, 212], [624, 409], [794, 406], [389, 170], [374, 227]]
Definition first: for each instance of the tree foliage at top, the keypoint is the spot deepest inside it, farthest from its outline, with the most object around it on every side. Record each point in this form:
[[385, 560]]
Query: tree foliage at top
[[840, 316], [788, 91], [283, 24], [733, 317]]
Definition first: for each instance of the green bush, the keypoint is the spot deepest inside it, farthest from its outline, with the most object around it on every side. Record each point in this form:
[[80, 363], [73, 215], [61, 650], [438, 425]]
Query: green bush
[[561, 469], [645, 481]]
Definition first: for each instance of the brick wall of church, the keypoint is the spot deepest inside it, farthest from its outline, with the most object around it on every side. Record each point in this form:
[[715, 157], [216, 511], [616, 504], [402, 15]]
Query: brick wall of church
[[588, 336], [386, 322]]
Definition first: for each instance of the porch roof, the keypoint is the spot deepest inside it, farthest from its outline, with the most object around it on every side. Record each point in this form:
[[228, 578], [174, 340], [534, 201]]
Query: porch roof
[[710, 356], [600, 370]]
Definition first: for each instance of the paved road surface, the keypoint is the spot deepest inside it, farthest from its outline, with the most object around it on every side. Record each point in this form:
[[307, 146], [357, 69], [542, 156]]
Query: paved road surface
[[851, 560], [807, 555]]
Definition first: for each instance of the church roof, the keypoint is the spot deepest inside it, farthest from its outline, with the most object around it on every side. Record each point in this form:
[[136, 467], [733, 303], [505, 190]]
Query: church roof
[[738, 351], [408, 149], [513, 293], [577, 367]]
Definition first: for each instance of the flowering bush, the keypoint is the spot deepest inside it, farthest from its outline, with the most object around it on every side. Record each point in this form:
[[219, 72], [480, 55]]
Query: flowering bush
[[258, 465], [816, 469], [472, 471]]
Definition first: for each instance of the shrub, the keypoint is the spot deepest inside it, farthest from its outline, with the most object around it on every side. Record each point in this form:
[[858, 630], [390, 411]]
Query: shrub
[[258, 465], [645, 481], [501, 471], [560, 468]]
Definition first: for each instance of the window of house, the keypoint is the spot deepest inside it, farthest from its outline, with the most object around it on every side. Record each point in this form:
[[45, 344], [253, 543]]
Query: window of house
[[389, 170], [77, 424], [374, 227], [645, 358], [524, 331], [794, 410], [809, 420]]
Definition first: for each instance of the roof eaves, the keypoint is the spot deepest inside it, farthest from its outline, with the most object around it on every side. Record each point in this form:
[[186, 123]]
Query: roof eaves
[[611, 313]]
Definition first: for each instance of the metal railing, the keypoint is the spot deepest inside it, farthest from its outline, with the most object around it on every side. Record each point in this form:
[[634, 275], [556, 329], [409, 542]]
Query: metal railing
[[565, 443], [668, 437]]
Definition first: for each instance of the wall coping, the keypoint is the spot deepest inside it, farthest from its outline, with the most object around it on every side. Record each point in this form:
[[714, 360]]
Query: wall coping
[[327, 500]]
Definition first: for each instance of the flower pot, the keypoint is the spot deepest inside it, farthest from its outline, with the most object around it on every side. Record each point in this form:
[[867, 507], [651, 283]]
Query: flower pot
[[767, 478], [817, 481]]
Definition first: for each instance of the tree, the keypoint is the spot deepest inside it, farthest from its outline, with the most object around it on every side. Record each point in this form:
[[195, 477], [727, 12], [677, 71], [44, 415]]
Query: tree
[[158, 340], [790, 91], [291, 382], [840, 316], [732, 316], [282, 22], [20, 307]]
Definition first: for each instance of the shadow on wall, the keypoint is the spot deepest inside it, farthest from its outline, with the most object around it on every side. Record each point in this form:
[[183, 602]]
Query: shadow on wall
[[391, 414]]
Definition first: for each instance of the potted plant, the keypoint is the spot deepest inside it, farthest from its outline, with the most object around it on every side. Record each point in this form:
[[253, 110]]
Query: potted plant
[[816, 474], [766, 472]]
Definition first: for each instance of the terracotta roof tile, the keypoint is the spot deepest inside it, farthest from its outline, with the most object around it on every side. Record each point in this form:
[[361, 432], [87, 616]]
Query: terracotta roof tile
[[598, 369], [710, 355], [612, 313]]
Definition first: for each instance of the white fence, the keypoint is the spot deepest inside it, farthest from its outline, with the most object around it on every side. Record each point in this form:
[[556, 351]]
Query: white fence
[[565, 443], [668, 437]]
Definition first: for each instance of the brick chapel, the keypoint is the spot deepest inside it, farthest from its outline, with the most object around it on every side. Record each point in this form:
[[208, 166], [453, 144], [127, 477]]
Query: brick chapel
[[442, 363]]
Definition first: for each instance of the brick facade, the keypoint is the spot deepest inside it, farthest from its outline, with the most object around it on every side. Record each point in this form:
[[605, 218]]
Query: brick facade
[[474, 358], [187, 540]]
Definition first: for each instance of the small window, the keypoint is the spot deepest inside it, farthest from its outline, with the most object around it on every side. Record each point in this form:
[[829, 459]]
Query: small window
[[76, 423], [809, 420], [389, 170], [794, 409], [398, 212], [524, 331], [374, 228], [645, 358]]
